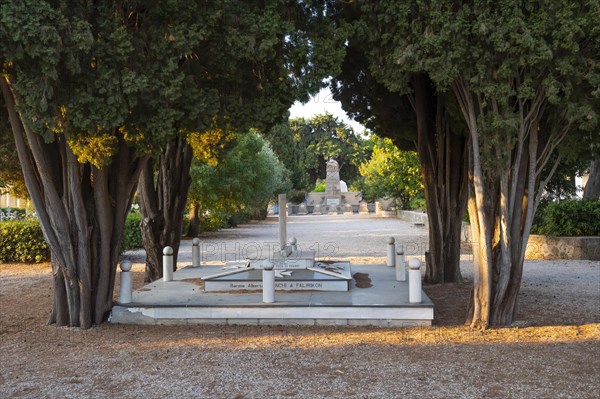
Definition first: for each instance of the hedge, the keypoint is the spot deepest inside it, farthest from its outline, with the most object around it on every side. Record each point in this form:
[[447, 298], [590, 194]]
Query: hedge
[[21, 240], [132, 235], [568, 218]]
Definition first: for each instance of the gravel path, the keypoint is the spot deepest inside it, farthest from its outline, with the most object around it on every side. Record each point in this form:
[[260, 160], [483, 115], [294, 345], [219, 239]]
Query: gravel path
[[553, 351]]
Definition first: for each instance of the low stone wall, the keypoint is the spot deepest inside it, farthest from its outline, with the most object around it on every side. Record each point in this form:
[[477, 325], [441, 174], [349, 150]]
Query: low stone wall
[[580, 248], [538, 247], [412, 216], [543, 247]]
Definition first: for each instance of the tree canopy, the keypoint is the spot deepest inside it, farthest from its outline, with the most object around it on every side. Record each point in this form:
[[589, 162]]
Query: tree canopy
[[306, 144], [391, 173], [94, 89], [243, 181], [525, 75]]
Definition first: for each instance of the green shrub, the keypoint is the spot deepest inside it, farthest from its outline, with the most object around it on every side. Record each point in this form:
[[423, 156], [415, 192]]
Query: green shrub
[[569, 218], [212, 222], [320, 187], [417, 204], [132, 235], [298, 196], [22, 240]]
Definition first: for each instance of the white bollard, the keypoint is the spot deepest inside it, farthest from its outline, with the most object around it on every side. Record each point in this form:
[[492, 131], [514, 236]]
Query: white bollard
[[168, 264], [268, 277], [196, 252], [400, 265], [126, 282], [391, 252], [414, 281]]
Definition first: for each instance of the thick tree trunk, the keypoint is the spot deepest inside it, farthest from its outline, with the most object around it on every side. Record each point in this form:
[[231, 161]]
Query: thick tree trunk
[[82, 212], [443, 157], [502, 201], [162, 203], [592, 187]]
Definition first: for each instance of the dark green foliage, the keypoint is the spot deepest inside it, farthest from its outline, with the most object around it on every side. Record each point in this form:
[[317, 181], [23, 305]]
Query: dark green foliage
[[240, 185], [570, 218], [22, 240], [132, 235], [298, 196]]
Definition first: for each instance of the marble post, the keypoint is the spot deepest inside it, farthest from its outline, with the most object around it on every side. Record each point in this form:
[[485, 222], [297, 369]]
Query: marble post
[[268, 277], [400, 264], [414, 281], [391, 252], [126, 282], [168, 264], [196, 252]]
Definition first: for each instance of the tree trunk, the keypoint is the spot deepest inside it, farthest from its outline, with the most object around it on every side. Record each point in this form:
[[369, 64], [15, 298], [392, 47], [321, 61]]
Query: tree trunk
[[592, 187], [82, 211], [502, 200], [162, 203], [443, 157], [194, 228]]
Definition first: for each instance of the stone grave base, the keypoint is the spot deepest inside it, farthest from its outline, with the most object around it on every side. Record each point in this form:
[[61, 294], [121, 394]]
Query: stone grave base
[[374, 298], [312, 279]]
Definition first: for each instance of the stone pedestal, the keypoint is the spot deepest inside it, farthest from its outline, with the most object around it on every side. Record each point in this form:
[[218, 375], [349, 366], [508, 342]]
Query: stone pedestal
[[363, 208], [302, 209]]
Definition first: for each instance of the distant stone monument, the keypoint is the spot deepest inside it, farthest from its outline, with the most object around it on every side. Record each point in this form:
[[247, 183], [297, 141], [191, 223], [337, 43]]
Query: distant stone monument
[[336, 195], [332, 180]]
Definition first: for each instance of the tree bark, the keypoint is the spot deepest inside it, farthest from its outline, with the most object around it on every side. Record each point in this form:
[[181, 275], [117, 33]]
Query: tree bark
[[502, 201], [82, 212], [162, 203], [443, 157], [592, 187], [194, 228]]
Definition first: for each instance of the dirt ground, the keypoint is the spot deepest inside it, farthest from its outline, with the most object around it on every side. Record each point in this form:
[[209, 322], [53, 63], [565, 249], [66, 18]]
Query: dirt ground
[[552, 351]]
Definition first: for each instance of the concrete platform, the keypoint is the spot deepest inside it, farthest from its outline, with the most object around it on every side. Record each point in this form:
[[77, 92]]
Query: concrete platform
[[331, 276], [184, 301]]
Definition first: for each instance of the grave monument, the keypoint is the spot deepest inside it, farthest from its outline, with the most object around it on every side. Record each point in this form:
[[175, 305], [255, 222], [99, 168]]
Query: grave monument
[[295, 268], [334, 199]]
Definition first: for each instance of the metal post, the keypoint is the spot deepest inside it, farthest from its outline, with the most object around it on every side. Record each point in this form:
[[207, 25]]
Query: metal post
[[414, 281], [268, 277], [391, 252], [126, 282], [168, 264], [196, 252]]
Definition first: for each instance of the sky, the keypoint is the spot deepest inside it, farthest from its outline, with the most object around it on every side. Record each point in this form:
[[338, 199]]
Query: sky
[[321, 103]]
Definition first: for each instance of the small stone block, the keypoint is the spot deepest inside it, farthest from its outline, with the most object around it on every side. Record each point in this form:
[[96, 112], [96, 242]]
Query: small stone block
[[206, 321], [242, 322], [368, 322], [331, 322]]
